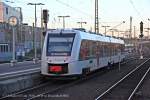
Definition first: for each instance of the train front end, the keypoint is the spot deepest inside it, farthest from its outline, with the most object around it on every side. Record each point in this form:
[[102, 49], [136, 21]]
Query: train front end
[[57, 59]]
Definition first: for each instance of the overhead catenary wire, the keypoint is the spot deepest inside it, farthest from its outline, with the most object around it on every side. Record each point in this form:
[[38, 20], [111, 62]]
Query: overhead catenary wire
[[136, 10], [69, 6]]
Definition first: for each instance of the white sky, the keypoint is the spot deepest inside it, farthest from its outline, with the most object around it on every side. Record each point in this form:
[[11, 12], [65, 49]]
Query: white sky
[[111, 12]]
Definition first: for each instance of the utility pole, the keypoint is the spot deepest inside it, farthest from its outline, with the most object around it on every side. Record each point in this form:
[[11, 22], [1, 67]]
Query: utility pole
[[135, 40], [41, 30], [81, 23], [63, 17], [130, 36], [35, 49], [33, 26], [13, 21], [96, 18], [148, 27], [105, 28]]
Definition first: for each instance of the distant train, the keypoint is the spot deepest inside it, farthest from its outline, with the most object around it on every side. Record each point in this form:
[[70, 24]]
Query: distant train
[[5, 52], [74, 52]]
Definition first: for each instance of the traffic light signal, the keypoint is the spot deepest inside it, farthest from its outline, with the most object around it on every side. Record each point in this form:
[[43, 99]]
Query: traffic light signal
[[45, 16]]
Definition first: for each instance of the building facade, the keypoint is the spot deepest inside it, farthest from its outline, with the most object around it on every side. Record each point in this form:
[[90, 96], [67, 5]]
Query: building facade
[[24, 34], [7, 11]]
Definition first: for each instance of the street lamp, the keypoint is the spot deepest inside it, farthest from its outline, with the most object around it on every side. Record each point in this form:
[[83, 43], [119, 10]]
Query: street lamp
[[63, 17], [81, 23], [105, 28], [13, 21], [35, 51]]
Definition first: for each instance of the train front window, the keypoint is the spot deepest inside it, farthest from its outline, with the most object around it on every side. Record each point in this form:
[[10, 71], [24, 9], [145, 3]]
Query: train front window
[[59, 44]]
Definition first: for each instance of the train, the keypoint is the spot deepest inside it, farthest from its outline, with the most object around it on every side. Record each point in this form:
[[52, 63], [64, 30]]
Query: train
[[75, 52], [5, 52]]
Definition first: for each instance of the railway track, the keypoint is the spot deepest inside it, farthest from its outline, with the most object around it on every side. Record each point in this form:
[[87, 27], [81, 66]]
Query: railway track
[[125, 88], [49, 87], [142, 93], [42, 90]]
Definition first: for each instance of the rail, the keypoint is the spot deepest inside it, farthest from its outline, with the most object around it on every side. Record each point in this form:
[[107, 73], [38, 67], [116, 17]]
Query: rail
[[117, 83]]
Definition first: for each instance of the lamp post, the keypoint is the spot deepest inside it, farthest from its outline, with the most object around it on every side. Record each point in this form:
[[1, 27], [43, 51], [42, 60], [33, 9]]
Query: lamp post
[[105, 28], [35, 50], [63, 17], [13, 21], [81, 23]]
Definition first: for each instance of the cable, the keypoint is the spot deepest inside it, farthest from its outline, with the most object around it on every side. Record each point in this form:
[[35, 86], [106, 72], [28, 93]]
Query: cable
[[131, 2], [67, 5]]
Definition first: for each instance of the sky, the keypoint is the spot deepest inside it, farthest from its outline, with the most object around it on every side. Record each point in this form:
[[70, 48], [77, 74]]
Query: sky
[[111, 12]]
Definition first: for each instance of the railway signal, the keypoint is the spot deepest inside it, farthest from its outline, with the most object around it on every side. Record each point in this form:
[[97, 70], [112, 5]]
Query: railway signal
[[140, 36], [141, 29], [45, 20], [45, 16]]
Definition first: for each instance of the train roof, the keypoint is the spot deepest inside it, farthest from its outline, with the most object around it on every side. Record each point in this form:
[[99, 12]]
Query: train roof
[[88, 35]]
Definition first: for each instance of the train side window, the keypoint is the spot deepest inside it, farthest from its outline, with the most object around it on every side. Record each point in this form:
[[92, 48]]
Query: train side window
[[99, 49], [94, 46], [90, 49], [0, 48], [6, 49], [103, 50], [106, 49], [83, 52]]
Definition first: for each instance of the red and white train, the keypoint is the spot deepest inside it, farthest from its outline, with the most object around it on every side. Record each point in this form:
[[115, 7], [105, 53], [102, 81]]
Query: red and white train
[[74, 52]]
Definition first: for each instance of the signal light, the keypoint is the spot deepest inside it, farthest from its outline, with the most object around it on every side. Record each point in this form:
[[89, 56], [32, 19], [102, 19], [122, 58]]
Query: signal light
[[45, 16], [141, 27]]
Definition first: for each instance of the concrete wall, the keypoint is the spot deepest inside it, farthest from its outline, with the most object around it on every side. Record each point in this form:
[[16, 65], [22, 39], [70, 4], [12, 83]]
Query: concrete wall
[[15, 84]]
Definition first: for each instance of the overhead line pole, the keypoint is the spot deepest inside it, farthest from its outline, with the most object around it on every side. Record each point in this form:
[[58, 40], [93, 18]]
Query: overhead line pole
[[105, 28], [96, 17], [63, 17], [35, 49], [130, 36], [81, 24]]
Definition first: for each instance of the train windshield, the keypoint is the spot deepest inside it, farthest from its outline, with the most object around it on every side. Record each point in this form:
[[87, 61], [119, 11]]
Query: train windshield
[[60, 44]]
